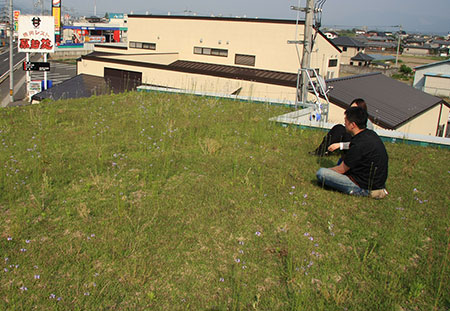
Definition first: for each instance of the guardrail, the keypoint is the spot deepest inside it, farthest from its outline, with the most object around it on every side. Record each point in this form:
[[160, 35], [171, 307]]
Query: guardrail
[[15, 67]]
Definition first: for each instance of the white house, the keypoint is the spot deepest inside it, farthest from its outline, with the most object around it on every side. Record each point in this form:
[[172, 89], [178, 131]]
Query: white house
[[433, 78]]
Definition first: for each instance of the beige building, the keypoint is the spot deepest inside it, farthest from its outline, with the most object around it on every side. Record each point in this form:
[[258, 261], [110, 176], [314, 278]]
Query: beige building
[[249, 57], [350, 48]]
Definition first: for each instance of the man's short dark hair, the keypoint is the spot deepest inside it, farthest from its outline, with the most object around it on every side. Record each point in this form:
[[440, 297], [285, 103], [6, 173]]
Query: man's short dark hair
[[357, 115]]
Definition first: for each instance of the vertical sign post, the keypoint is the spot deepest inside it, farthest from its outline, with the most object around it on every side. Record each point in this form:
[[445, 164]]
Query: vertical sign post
[[56, 12], [16, 21]]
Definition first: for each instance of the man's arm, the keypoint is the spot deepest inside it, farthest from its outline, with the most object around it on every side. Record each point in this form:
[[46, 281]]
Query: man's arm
[[341, 168]]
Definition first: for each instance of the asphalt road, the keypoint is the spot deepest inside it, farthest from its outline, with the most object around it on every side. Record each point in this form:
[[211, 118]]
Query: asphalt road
[[58, 73], [4, 60]]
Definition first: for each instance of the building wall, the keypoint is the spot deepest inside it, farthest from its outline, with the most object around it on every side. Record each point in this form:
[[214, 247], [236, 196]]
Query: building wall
[[413, 51], [195, 82], [437, 86], [427, 123], [265, 40]]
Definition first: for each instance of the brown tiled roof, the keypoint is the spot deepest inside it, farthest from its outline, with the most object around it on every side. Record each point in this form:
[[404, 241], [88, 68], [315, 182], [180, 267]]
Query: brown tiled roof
[[390, 103]]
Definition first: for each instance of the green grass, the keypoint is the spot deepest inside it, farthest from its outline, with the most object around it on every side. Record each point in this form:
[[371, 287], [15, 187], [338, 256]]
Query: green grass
[[164, 202]]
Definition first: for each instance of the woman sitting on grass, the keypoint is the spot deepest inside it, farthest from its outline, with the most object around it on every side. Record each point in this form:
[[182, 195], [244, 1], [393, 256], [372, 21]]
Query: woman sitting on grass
[[337, 137]]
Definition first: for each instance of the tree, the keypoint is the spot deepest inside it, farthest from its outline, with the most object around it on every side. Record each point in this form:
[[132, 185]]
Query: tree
[[405, 70]]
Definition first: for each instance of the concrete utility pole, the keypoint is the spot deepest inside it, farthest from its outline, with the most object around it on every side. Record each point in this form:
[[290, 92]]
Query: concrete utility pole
[[11, 54], [398, 44], [306, 58]]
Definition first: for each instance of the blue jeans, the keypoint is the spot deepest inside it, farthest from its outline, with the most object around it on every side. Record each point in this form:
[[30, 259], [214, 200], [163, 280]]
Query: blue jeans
[[339, 182]]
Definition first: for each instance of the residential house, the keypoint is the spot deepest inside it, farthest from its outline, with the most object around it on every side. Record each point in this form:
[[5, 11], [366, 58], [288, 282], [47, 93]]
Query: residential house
[[249, 57], [350, 48], [361, 59], [443, 47], [381, 47], [433, 78]]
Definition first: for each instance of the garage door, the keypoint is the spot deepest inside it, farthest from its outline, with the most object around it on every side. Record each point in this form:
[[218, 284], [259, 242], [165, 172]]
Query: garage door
[[122, 80]]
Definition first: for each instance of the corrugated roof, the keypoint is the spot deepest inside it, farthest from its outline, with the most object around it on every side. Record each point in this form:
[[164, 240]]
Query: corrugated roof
[[77, 87], [233, 72], [433, 64], [390, 103]]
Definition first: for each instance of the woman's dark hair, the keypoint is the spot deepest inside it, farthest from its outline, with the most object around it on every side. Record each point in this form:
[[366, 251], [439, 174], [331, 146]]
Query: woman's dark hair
[[360, 102]]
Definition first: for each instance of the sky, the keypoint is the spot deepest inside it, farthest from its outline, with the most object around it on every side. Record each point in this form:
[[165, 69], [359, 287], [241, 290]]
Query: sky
[[425, 16]]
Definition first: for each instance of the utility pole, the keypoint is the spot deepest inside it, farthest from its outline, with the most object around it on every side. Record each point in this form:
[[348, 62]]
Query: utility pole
[[11, 54], [307, 46], [398, 44], [306, 58]]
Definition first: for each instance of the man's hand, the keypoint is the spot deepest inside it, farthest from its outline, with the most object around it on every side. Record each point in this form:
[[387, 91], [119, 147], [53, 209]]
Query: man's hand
[[333, 147]]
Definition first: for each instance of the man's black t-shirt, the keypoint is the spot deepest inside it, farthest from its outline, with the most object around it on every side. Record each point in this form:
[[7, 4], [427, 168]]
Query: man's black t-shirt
[[368, 160]]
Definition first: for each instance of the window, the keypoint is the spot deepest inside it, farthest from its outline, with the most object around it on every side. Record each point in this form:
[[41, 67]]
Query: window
[[210, 51], [142, 45], [332, 63], [247, 60], [344, 49]]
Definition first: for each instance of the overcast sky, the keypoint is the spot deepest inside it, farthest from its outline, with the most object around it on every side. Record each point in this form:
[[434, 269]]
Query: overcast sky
[[413, 15]]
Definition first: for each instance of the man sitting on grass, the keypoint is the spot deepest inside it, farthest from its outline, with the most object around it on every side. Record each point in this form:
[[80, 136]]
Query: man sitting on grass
[[364, 170]]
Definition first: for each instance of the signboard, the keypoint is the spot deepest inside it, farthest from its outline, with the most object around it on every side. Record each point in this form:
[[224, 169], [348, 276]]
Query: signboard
[[16, 21], [95, 39], [57, 15], [34, 87], [36, 34], [56, 12], [36, 66]]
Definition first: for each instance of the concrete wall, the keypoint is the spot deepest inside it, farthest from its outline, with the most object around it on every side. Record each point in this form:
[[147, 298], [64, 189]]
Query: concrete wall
[[357, 70], [414, 51]]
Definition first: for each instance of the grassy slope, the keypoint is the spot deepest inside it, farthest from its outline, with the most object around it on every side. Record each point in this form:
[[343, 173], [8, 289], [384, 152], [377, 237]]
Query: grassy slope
[[140, 201]]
